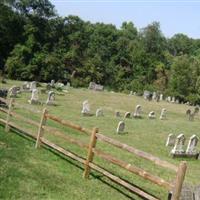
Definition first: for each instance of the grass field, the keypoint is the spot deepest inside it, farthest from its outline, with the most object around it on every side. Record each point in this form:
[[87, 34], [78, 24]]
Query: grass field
[[39, 174]]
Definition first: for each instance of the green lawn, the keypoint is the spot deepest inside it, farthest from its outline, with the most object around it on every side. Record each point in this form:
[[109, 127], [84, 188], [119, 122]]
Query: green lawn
[[39, 174]]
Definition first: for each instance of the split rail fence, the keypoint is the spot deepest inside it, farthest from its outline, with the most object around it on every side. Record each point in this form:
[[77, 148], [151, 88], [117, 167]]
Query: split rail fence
[[173, 187]]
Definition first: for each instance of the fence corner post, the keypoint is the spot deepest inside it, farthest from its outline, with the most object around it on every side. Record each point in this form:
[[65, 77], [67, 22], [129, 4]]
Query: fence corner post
[[7, 127], [90, 154], [40, 128], [176, 193]]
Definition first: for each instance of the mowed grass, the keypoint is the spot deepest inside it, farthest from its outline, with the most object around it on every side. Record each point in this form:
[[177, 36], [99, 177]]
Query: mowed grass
[[144, 134]]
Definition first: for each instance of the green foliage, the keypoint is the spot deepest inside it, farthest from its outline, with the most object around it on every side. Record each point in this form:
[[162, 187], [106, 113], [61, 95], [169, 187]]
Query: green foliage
[[37, 44]]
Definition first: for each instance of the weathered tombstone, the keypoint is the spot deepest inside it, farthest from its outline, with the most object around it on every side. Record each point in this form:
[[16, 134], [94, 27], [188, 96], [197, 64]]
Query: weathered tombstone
[[192, 144], [152, 115], [117, 114], [127, 115], [26, 86], [33, 85], [147, 95], [34, 97], [86, 108], [120, 127], [13, 91], [170, 140], [163, 114], [131, 93], [68, 85], [173, 100], [137, 113], [51, 98], [52, 83], [177, 101], [99, 112], [161, 97], [154, 96], [197, 193], [187, 193], [168, 99], [179, 144]]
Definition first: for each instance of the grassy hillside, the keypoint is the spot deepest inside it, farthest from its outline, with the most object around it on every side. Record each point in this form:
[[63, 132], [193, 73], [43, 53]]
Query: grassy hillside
[[144, 134]]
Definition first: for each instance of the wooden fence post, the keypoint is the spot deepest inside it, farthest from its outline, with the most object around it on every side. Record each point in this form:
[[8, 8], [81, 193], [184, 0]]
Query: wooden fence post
[[176, 193], [7, 127], [40, 128], [90, 154]]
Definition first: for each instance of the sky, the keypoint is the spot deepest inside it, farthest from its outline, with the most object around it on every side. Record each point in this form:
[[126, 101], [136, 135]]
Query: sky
[[175, 16]]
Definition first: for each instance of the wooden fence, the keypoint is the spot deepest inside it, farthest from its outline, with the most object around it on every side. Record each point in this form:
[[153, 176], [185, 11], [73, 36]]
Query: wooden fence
[[173, 187]]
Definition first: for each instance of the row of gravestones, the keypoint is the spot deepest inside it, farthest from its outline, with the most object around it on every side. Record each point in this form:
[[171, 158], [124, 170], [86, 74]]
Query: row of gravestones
[[137, 113], [178, 145]]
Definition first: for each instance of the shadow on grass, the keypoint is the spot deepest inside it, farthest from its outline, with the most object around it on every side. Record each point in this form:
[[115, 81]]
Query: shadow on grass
[[94, 175]]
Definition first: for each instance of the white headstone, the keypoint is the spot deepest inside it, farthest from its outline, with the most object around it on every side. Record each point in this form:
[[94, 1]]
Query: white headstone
[[127, 115], [86, 108], [152, 115], [192, 144], [33, 85], [154, 96], [173, 100], [52, 83], [138, 110], [179, 145], [163, 114], [99, 112], [13, 91], [171, 140], [50, 98], [34, 97], [161, 97], [121, 127]]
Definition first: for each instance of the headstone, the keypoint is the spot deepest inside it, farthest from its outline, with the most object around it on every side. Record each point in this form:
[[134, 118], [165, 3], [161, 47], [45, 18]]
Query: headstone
[[152, 115], [147, 95], [192, 144], [179, 145], [13, 91], [163, 114], [173, 100], [99, 112], [117, 114], [170, 140], [197, 193], [168, 99], [86, 108], [121, 127], [127, 115], [96, 87], [131, 93], [33, 85], [26, 86], [52, 83], [34, 97], [137, 113], [187, 193], [50, 98], [177, 101], [161, 97], [154, 96]]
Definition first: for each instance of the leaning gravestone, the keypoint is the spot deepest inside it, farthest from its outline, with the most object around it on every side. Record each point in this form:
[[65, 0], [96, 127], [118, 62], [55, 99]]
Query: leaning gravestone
[[99, 112], [120, 127], [34, 97], [127, 115], [137, 113], [179, 145], [192, 145], [152, 115], [163, 114], [171, 140]]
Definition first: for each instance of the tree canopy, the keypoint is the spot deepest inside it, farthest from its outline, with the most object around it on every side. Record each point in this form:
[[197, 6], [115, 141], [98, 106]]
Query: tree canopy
[[37, 44]]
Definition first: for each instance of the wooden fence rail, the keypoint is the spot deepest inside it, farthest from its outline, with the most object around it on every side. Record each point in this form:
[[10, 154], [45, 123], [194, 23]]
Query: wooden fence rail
[[174, 186]]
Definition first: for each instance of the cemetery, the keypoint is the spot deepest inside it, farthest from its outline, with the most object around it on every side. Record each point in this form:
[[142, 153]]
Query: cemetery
[[122, 121]]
